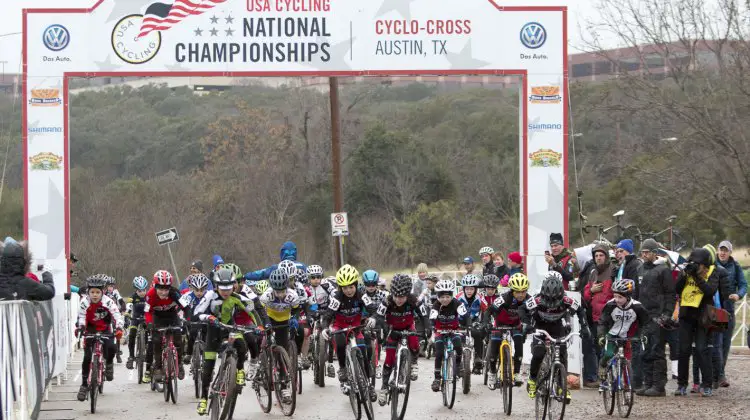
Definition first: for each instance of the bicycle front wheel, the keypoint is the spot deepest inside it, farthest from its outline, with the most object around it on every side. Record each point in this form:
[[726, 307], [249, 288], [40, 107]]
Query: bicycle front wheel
[[140, 355], [284, 378], [294, 358], [229, 366], [506, 384], [449, 380], [557, 393], [625, 392], [261, 383], [196, 361], [321, 360], [610, 389], [466, 379], [94, 382], [363, 383], [403, 385]]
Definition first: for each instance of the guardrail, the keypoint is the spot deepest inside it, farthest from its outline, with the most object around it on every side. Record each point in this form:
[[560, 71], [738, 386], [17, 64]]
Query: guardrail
[[27, 356]]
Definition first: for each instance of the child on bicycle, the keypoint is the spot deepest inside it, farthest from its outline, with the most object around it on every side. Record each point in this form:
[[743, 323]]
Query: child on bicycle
[[429, 296], [219, 306], [622, 317], [399, 311], [136, 315], [475, 305], [447, 314], [98, 313], [346, 307], [114, 294], [370, 279], [504, 312], [162, 310], [490, 283], [550, 310], [198, 285]]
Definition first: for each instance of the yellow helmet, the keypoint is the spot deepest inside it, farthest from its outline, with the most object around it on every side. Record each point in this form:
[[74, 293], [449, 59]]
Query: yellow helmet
[[347, 275], [518, 282], [262, 286]]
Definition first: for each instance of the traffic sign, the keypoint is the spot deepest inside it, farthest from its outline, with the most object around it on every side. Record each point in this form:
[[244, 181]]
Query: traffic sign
[[339, 224], [167, 236]]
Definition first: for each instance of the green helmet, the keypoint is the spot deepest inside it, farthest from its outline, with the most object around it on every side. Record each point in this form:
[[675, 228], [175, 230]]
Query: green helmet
[[235, 269], [262, 286]]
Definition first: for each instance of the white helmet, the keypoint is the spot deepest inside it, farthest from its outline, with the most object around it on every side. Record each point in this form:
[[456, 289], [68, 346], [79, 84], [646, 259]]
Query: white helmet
[[314, 270], [445, 286], [470, 280], [289, 267], [486, 250]]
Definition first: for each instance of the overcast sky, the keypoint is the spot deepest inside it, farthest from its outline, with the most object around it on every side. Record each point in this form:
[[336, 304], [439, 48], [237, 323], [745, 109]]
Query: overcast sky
[[579, 11]]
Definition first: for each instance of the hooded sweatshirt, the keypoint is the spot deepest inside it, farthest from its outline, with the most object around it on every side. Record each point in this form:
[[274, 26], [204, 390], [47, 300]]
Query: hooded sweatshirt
[[14, 285], [600, 274]]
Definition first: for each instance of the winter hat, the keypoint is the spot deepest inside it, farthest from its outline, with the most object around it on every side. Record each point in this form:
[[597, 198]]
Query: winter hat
[[600, 248], [626, 244], [197, 264], [726, 244], [700, 256], [712, 251], [649, 245], [515, 256], [556, 238]]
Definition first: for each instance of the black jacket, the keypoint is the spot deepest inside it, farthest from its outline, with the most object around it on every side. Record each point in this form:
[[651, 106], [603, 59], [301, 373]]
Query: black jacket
[[718, 280], [14, 285], [630, 271], [656, 289]]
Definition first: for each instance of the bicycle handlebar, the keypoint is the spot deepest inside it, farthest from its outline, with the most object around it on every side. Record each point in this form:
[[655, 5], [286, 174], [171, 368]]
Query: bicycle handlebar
[[169, 329], [450, 332], [347, 329], [556, 340], [240, 328]]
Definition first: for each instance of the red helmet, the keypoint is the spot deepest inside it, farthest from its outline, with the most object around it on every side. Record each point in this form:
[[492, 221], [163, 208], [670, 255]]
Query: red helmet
[[162, 278]]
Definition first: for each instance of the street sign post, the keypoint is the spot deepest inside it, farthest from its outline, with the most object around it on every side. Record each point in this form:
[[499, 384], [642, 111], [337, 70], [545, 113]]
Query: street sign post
[[167, 237], [340, 229]]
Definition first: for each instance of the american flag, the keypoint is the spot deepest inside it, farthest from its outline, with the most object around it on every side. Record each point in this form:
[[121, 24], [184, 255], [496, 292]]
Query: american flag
[[162, 16]]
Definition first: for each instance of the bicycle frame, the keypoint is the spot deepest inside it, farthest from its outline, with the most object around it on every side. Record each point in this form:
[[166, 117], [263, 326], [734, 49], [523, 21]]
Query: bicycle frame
[[447, 337], [403, 343], [97, 350], [505, 339]]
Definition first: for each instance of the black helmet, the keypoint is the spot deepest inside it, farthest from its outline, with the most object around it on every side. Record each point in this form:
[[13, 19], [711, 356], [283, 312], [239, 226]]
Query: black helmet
[[490, 281], [552, 290], [96, 281], [401, 285]]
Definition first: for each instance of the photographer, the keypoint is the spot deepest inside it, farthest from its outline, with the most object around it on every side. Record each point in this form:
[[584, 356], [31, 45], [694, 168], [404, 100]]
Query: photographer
[[15, 261], [696, 287]]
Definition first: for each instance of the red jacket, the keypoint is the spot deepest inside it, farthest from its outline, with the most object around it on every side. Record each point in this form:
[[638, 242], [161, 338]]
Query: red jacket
[[598, 300], [162, 307]]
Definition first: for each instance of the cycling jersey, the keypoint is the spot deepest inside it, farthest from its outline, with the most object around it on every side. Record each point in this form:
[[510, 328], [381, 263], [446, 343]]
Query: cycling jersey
[[115, 295], [504, 310], [137, 306], [348, 311], [535, 312], [281, 310], [158, 309], [448, 317], [401, 317], [377, 297], [225, 310], [319, 295], [428, 297], [99, 316], [474, 306], [189, 301], [242, 317], [622, 322]]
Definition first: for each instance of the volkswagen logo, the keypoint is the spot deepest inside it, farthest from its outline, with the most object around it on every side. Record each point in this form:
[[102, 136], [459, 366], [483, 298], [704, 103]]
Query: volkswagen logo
[[56, 37], [533, 35]]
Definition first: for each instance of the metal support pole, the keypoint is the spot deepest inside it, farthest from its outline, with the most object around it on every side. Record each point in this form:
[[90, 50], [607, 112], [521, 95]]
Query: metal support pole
[[338, 201], [174, 266]]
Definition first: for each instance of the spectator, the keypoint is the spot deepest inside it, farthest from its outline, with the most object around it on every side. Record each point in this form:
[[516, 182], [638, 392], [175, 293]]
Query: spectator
[[15, 261], [657, 295], [737, 291], [597, 292], [696, 287], [629, 265], [561, 259], [196, 267], [498, 265], [485, 254], [515, 263], [469, 265], [419, 283]]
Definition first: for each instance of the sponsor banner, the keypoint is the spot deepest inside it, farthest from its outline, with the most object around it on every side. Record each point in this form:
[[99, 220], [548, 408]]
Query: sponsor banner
[[545, 95], [45, 161], [45, 97], [545, 158]]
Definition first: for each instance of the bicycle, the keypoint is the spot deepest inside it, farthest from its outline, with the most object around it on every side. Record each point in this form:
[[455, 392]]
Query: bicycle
[[504, 371], [466, 363], [224, 389], [274, 373], [196, 359], [294, 357], [170, 363], [359, 389], [319, 354], [448, 370], [553, 376], [617, 386], [400, 381], [375, 359], [140, 348], [96, 369]]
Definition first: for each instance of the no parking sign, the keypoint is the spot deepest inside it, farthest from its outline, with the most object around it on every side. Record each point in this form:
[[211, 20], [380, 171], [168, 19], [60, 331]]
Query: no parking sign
[[339, 224]]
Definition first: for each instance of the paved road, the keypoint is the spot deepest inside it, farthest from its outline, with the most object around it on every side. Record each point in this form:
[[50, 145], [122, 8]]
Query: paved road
[[125, 399]]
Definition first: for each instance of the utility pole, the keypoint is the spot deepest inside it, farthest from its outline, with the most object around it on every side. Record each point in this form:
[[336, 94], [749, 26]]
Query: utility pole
[[338, 199]]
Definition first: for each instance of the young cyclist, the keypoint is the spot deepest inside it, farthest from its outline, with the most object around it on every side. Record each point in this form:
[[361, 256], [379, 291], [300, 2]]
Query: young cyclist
[[198, 285], [98, 313], [398, 311], [446, 314], [346, 308], [475, 305], [622, 317], [382, 286], [219, 306], [162, 310], [504, 312], [114, 294], [302, 338], [490, 283], [550, 310], [136, 315], [429, 295], [320, 292]]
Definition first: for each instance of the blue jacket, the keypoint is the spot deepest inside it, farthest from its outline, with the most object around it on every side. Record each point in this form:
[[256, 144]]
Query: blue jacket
[[475, 309], [288, 252], [737, 282]]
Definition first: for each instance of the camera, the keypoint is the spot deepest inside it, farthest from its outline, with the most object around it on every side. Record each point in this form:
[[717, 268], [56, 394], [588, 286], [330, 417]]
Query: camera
[[691, 268]]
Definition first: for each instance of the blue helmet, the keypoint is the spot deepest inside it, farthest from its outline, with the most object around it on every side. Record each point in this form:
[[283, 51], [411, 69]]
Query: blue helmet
[[370, 278], [140, 283]]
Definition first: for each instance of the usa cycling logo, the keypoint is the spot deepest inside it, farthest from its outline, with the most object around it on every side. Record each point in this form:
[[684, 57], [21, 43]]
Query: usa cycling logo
[[533, 35], [56, 37]]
